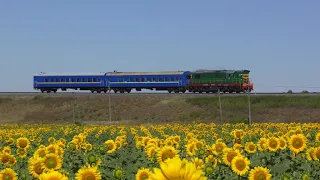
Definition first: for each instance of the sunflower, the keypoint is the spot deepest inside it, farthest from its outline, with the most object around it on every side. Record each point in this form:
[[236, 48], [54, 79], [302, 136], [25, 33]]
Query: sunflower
[[211, 160], [273, 144], [111, 146], [6, 149], [198, 162], [36, 166], [167, 152], [8, 173], [318, 137], [88, 172], [250, 147], [151, 152], [177, 169], [41, 152], [316, 154], [12, 161], [283, 143], [52, 148], [22, 152], [4, 158], [23, 143], [229, 154], [118, 144], [240, 165], [262, 144], [52, 162], [305, 176], [51, 140], [297, 143], [53, 175], [218, 148], [238, 147], [259, 172], [191, 149], [118, 173], [309, 153], [143, 174]]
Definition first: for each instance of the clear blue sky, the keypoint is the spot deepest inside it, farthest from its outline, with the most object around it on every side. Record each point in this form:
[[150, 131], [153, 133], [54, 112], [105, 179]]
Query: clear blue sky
[[278, 41]]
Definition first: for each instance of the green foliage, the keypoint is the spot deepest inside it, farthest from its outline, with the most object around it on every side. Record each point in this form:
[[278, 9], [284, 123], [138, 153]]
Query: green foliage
[[258, 102]]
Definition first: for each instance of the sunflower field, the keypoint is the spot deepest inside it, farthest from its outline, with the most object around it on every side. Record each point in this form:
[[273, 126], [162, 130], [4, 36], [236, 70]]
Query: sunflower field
[[166, 152]]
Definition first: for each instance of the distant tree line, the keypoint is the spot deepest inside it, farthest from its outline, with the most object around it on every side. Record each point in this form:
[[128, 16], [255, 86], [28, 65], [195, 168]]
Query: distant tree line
[[304, 91]]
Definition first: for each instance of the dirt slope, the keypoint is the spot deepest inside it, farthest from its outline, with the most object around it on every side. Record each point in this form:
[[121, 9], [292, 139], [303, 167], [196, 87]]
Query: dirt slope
[[137, 109]]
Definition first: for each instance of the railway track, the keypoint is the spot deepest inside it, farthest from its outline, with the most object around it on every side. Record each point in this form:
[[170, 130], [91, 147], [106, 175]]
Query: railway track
[[152, 94]]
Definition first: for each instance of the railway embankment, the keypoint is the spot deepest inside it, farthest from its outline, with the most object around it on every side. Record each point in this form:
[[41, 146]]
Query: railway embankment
[[133, 110]]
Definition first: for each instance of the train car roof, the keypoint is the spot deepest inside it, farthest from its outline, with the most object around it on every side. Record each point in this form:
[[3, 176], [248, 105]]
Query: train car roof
[[71, 74], [146, 73]]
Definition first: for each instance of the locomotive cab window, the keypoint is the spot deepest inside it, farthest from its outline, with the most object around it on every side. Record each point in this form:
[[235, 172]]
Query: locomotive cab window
[[197, 76]]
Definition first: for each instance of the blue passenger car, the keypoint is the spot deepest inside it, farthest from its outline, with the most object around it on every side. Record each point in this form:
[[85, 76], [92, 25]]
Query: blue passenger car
[[173, 81], [81, 81]]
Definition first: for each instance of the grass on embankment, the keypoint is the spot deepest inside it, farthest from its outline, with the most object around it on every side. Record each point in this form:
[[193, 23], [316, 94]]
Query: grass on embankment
[[157, 109], [259, 101]]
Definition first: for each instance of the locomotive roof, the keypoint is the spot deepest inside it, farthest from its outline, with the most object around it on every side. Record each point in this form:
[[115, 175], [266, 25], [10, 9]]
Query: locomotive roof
[[219, 71], [144, 73], [71, 74]]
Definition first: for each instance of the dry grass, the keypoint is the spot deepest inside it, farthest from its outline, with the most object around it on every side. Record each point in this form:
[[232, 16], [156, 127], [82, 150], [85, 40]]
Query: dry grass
[[133, 110]]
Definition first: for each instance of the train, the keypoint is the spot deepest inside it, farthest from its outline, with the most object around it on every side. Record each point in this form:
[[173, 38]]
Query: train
[[198, 81]]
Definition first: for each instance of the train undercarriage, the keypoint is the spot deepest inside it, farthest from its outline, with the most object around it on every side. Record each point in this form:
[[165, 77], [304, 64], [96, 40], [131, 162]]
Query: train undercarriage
[[215, 89], [194, 89]]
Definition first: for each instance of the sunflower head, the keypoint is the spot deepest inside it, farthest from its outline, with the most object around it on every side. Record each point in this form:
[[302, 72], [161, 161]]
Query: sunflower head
[[297, 143], [23, 143], [52, 162], [273, 144], [258, 173], [167, 152], [8, 173], [88, 172], [240, 165], [143, 174], [53, 175]]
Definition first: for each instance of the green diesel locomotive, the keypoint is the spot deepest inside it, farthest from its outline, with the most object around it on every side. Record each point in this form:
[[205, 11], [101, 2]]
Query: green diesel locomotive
[[225, 80]]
